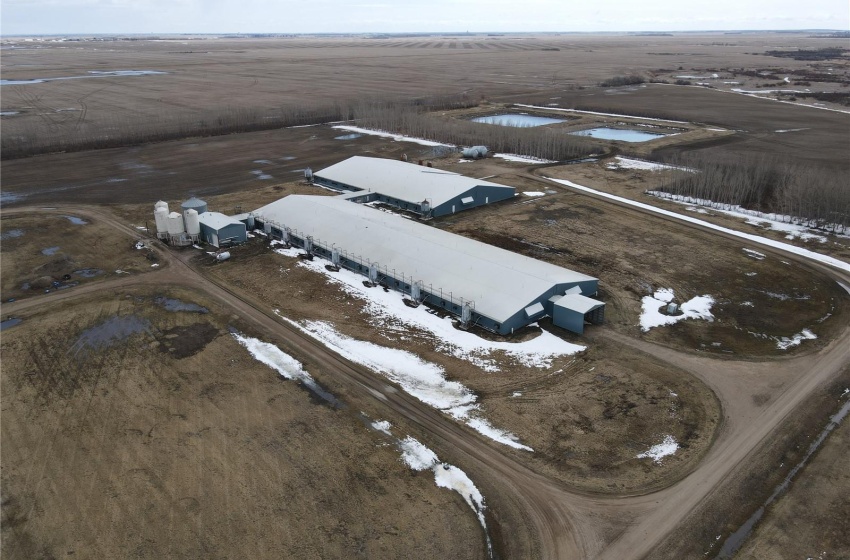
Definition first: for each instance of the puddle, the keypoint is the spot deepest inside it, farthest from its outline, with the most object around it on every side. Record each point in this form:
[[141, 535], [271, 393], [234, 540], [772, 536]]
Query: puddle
[[111, 331], [49, 251], [605, 133], [11, 234], [75, 220], [732, 544], [287, 158], [9, 113], [90, 74], [9, 323], [260, 175], [348, 136], [171, 304], [319, 396], [519, 121], [68, 285], [263, 161], [88, 272], [6, 197]]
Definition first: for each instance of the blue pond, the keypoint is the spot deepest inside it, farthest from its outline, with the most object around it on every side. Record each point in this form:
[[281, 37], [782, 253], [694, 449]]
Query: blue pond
[[9, 323], [75, 220], [519, 121], [605, 133], [348, 136], [49, 251]]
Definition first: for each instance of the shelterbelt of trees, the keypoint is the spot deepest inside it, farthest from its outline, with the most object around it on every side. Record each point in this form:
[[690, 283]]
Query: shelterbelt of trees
[[815, 195]]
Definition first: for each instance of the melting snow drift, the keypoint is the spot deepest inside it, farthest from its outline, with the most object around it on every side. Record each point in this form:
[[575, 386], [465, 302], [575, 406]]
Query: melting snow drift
[[698, 307], [420, 458], [423, 380], [657, 452]]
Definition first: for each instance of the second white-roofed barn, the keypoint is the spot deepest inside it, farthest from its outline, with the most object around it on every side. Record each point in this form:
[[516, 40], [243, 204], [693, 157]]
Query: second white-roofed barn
[[415, 188]]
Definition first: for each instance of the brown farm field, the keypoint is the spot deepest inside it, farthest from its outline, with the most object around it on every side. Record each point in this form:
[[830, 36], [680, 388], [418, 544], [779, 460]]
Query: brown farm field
[[169, 439]]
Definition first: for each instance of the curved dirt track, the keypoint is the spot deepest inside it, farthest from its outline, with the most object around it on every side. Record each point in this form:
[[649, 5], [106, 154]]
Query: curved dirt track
[[557, 522]]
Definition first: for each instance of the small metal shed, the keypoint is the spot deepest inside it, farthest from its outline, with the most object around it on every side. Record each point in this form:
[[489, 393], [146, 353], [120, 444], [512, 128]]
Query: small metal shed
[[572, 310], [220, 230]]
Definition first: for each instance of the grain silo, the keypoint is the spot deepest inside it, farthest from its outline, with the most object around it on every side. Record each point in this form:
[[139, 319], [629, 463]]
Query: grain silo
[[195, 204], [160, 215], [193, 225]]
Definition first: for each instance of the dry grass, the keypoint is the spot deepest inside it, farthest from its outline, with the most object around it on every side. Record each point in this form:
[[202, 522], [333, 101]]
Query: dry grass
[[133, 450], [50, 246]]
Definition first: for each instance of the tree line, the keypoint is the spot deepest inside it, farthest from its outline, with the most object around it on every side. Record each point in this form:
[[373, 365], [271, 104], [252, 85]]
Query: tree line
[[48, 135], [803, 193]]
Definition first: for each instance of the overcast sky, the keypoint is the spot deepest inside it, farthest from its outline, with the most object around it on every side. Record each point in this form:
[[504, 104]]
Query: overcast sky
[[21, 17]]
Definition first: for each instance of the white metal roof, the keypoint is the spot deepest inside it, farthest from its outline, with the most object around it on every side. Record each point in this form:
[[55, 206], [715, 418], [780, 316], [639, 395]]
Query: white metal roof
[[579, 303], [500, 282], [401, 180], [216, 220]]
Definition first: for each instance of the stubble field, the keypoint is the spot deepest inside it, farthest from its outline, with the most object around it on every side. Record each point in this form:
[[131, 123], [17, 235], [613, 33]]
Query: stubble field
[[587, 417]]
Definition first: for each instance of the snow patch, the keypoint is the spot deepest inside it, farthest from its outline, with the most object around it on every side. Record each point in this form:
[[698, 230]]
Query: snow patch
[[698, 307], [754, 254], [631, 163], [534, 193], [664, 449], [287, 366], [396, 137], [785, 343], [415, 455], [419, 458], [423, 380], [382, 426], [523, 159]]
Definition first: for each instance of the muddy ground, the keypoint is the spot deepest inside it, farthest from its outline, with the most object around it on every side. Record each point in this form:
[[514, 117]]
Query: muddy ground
[[173, 441], [52, 252], [804, 523], [810, 520]]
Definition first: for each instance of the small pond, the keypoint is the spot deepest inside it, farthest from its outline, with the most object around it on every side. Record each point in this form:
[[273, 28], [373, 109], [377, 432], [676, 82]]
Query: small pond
[[348, 136], [519, 121], [9, 323], [605, 133], [75, 220]]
